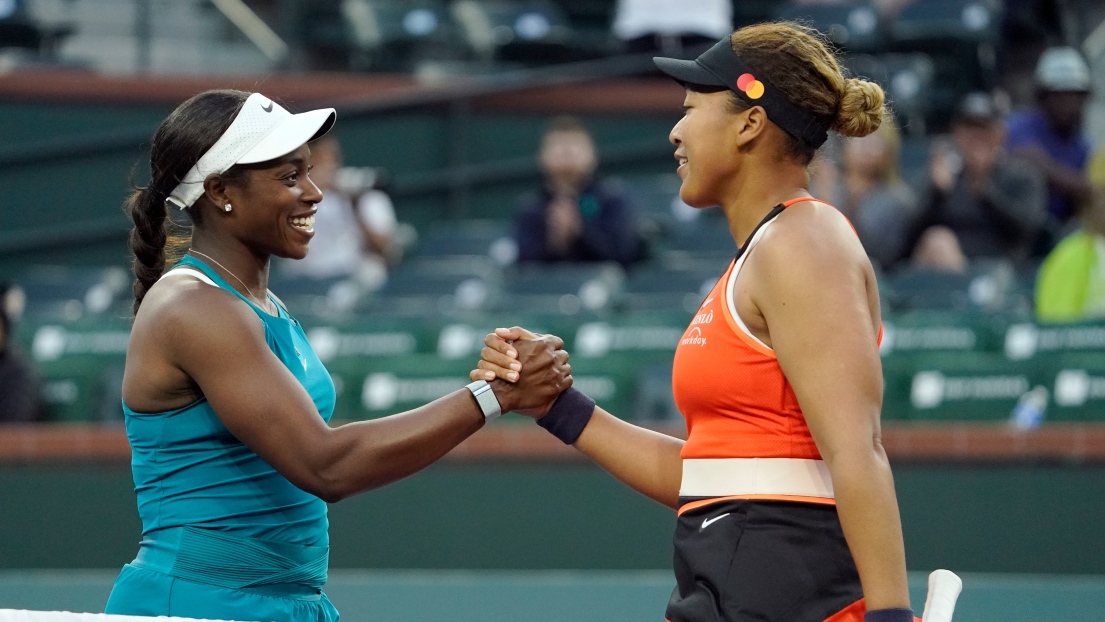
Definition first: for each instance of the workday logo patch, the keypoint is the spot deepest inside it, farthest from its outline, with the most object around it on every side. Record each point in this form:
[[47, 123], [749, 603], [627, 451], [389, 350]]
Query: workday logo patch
[[693, 338]]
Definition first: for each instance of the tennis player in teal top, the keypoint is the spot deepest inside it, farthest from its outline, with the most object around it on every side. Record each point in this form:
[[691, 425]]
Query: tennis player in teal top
[[227, 406]]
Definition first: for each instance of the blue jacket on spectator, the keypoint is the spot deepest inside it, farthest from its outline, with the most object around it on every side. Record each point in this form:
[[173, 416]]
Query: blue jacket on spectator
[[1031, 128], [608, 233]]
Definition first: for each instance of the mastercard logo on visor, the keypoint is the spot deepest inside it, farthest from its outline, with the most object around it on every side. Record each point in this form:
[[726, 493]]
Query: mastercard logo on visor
[[752, 87]]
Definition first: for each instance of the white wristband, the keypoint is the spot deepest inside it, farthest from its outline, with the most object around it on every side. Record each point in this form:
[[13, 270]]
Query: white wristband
[[485, 397]]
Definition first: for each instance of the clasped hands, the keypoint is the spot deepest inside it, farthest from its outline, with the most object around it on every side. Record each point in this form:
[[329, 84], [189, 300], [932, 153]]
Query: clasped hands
[[527, 371]]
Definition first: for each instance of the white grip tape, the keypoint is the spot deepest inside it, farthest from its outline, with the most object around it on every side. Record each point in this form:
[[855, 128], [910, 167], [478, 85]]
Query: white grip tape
[[944, 589]]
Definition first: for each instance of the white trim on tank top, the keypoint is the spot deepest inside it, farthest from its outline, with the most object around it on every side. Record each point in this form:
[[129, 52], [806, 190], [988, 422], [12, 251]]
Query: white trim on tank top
[[731, 283], [186, 271]]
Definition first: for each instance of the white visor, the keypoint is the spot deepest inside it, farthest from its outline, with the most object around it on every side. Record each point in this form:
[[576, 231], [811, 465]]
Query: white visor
[[262, 131]]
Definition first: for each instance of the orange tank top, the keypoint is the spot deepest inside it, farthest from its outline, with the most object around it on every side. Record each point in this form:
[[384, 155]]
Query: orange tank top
[[728, 384]]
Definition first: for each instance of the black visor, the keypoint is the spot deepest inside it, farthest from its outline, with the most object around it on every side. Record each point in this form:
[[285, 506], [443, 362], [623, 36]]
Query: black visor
[[720, 66]]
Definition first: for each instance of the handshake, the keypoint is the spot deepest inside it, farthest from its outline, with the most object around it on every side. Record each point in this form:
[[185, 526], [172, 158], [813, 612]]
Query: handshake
[[527, 372]]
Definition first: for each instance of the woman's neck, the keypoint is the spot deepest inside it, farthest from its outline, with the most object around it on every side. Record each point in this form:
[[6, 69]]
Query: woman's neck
[[757, 189], [246, 268]]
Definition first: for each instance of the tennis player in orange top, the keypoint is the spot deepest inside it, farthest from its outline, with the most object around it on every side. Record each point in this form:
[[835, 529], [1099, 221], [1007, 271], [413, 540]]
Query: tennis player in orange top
[[785, 499]]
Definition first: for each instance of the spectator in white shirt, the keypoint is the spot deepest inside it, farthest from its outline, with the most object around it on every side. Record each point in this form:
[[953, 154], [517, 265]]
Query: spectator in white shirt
[[355, 226], [671, 26]]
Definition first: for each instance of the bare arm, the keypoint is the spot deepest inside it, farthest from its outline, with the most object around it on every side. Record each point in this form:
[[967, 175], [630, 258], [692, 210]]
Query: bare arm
[[645, 460], [1069, 182], [810, 284], [220, 344]]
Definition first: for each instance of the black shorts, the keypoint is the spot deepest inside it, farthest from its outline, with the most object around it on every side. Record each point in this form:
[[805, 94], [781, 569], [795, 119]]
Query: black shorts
[[769, 561]]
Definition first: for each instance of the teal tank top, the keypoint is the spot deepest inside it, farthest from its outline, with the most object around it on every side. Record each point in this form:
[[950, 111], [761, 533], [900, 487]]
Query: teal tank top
[[191, 472]]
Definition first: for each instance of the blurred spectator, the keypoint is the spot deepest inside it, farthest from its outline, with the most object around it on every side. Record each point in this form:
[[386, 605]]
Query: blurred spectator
[[1071, 283], [355, 226], [1050, 136], [576, 217], [20, 399], [870, 192], [981, 203], [671, 26]]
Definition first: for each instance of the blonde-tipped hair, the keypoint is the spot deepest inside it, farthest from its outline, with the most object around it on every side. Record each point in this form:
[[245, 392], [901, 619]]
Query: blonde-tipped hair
[[799, 62]]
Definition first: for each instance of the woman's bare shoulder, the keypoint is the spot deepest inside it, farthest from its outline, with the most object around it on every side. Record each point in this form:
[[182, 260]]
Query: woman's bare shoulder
[[184, 307], [814, 229]]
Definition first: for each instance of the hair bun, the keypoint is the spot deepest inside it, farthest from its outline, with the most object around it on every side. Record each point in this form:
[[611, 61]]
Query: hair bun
[[862, 108]]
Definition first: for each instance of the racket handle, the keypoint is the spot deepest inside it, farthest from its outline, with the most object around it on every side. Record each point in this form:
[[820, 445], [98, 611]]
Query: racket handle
[[944, 589]]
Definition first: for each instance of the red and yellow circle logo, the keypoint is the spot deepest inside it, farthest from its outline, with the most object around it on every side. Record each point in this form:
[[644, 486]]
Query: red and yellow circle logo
[[752, 87]]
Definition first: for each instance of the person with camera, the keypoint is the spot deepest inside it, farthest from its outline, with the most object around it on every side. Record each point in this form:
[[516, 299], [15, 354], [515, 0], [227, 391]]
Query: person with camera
[[981, 202]]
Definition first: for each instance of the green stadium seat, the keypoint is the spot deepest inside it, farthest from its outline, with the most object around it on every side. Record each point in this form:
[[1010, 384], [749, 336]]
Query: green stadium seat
[[1077, 388], [1028, 341], [81, 365], [466, 238], [958, 35], [906, 78], [660, 288], [916, 332], [565, 287], [68, 293], [437, 286], [918, 288], [527, 32], [399, 36], [377, 387], [853, 26], [321, 297], [957, 386], [976, 21]]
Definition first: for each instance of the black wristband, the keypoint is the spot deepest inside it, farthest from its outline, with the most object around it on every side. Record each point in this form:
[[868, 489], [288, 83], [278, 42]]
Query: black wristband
[[901, 614], [568, 416]]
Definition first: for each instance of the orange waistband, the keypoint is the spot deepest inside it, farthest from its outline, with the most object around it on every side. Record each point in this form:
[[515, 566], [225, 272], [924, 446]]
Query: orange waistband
[[686, 507]]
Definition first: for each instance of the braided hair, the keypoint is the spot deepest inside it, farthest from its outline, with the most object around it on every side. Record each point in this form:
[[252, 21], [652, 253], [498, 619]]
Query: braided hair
[[180, 141]]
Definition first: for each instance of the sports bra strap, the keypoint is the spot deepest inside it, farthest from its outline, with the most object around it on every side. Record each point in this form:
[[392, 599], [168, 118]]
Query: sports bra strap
[[183, 270], [772, 214]]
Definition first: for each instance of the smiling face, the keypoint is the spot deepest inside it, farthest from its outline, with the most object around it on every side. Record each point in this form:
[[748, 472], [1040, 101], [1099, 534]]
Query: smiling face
[[707, 148], [273, 207]]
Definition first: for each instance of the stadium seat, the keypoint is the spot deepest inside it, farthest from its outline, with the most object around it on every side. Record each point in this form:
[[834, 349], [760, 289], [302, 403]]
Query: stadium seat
[[907, 79], [926, 331], [529, 32], [976, 21], [390, 35], [466, 238], [854, 26], [567, 287], [708, 233], [919, 288], [67, 293], [748, 12], [431, 286], [957, 386], [913, 162], [20, 31], [320, 297], [960, 38], [682, 289], [377, 387], [1077, 387], [80, 363]]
